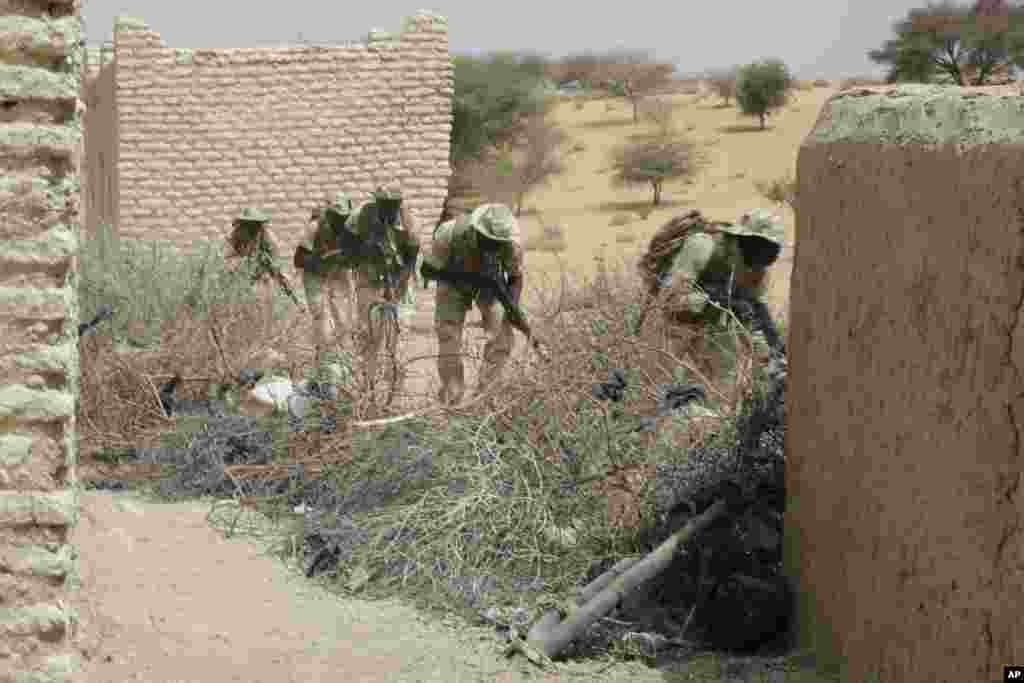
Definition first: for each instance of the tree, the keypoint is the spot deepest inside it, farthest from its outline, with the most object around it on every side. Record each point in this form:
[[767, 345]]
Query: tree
[[762, 87], [655, 161], [723, 82], [954, 40], [633, 75], [493, 97], [526, 164]]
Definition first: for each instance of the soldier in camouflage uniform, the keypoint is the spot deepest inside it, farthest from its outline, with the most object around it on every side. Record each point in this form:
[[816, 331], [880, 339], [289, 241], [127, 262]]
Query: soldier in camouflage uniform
[[329, 272], [485, 242], [377, 242], [716, 257], [391, 245], [253, 246]]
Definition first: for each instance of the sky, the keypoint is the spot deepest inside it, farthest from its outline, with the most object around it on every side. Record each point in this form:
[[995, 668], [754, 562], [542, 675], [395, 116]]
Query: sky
[[816, 38]]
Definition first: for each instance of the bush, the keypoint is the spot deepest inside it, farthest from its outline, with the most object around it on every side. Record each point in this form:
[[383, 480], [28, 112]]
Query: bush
[[780, 190], [822, 83], [620, 219], [493, 96], [165, 302]]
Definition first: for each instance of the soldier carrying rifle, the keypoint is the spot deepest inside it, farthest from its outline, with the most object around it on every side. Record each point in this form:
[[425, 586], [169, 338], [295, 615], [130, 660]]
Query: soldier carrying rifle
[[476, 258]]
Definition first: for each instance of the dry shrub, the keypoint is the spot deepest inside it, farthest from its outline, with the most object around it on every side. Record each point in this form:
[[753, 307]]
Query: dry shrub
[[620, 219], [578, 147], [822, 83], [779, 190], [552, 239], [625, 237], [118, 404]]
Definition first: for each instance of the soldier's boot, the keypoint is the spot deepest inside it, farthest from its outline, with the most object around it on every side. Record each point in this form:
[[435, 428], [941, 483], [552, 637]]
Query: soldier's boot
[[449, 363], [496, 351], [496, 354], [332, 372]]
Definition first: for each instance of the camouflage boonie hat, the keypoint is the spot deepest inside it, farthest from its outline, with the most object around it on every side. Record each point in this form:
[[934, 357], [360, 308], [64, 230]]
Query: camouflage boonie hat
[[758, 223], [387, 193], [496, 222], [252, 215], [340, 204]]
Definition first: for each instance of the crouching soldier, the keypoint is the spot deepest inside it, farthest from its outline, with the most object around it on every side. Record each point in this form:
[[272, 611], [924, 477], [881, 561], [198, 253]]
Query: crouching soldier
[[388, 248], [484, 243], [703, 268], [325, 256], [254, 249]]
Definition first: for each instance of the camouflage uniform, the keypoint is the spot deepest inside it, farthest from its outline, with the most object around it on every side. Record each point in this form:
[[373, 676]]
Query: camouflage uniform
[[731, 256], [252, 246], [376, 246], [456, 246], [333, 274]]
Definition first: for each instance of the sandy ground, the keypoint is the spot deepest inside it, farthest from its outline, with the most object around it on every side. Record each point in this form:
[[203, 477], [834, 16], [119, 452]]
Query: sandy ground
[[165, 598]]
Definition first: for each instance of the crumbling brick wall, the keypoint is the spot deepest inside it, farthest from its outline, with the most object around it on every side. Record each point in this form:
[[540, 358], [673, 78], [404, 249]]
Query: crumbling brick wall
[[905, 509], [99, 189], [40, 134], [199, 134]]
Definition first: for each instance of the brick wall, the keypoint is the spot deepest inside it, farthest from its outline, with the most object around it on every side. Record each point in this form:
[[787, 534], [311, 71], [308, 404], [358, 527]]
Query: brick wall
[[199, 134], [904, 449], [99, 191], [40, 134]]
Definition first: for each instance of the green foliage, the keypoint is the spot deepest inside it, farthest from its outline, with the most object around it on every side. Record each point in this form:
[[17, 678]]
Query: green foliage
[[762, 87], [947, 39], [147, 281], [653, 162], [492, 97]]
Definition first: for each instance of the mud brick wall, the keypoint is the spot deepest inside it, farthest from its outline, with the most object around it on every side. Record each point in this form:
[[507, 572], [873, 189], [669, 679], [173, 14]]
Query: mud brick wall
[[186, 138], [40, 134], [905, 514], [99, 188]]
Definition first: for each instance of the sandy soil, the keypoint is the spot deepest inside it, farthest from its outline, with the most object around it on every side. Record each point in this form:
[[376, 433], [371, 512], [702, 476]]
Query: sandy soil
[[165, 598]]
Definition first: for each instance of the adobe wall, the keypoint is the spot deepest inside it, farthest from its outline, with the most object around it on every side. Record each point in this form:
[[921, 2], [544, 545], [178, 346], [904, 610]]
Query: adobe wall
[[99, 189], [905, 520], [199, 134], [40, 134]]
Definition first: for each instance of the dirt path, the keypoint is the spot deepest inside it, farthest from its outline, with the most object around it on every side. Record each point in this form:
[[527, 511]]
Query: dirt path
[[166, 598]]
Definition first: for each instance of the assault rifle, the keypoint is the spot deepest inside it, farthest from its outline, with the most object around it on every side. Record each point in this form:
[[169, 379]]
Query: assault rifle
[[268, 264], [513, 312]]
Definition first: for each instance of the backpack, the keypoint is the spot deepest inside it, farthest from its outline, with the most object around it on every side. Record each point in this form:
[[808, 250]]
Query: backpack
[[666, 243]]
